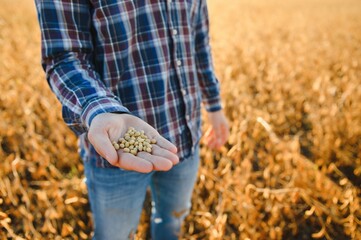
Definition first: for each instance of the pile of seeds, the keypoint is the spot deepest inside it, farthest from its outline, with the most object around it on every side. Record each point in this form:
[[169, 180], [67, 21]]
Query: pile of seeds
[[135, 141]]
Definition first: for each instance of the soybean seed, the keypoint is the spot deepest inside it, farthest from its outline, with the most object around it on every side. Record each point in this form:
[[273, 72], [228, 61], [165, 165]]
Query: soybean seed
[[134, 141]]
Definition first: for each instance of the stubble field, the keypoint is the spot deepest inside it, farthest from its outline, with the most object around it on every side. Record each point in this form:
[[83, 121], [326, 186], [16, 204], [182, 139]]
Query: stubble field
[[291, 85]]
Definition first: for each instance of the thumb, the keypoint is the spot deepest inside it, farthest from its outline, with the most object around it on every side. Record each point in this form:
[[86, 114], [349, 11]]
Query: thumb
[[102, 144]]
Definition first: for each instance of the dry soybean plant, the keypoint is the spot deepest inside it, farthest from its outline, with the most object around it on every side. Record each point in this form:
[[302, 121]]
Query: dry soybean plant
[[290, 74]]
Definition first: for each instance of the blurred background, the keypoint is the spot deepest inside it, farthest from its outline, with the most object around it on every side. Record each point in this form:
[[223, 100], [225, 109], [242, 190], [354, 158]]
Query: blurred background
[[291, 85]]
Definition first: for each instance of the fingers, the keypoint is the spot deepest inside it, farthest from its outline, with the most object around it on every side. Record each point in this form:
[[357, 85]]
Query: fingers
[[159, 160], [159, 163], [128, 161], [216, 137], [161, 152], [164, 143], [220, 137], [101, 142]]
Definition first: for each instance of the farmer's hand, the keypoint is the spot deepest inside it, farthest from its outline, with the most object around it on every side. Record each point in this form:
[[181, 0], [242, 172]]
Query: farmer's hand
[[108, 127], [217, 134]]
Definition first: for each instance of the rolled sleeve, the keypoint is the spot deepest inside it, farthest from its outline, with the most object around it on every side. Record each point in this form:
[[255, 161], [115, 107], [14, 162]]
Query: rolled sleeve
[[99, 106], [212, 104]]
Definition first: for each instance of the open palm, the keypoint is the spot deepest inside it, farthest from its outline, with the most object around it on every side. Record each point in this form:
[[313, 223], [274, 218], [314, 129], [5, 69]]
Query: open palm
[[109, 127]]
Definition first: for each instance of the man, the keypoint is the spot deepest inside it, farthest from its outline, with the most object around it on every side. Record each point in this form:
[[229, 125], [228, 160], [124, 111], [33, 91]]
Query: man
[[115, 64]]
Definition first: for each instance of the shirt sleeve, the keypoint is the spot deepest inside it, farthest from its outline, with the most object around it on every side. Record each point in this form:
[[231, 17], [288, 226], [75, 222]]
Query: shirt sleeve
[[67, 53], [205, 71]]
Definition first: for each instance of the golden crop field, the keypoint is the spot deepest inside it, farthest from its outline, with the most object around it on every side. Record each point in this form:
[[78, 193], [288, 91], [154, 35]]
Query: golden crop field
[[291, 86]]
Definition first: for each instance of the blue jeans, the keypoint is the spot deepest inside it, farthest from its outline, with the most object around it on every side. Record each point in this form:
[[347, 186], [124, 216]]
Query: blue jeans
[[116, 199]]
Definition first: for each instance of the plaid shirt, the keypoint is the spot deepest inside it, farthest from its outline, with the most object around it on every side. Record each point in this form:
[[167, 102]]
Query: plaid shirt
[[149, 58]]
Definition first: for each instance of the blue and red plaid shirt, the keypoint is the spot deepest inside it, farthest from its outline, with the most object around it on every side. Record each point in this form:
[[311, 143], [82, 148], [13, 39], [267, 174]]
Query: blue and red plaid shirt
[[149, 58]]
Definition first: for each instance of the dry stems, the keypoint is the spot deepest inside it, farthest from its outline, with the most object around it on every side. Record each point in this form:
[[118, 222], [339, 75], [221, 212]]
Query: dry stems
[[290, 73]]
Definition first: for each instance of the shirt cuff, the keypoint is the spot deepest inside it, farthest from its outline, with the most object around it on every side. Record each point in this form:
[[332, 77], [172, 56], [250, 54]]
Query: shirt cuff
[[213, 104], [101, 105]]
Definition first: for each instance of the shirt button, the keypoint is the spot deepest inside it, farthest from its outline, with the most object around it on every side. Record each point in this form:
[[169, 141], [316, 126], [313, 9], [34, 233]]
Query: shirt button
[[188, 117], [175, 32], [179, 63], [184, 92]]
